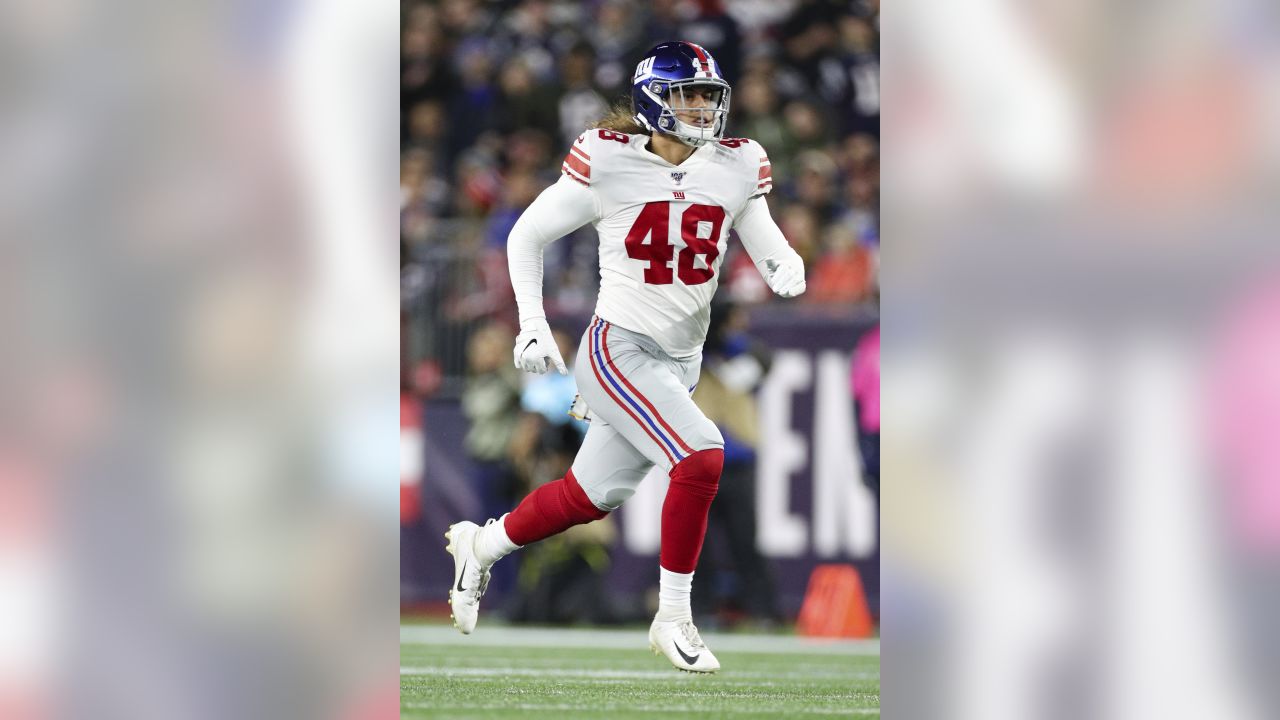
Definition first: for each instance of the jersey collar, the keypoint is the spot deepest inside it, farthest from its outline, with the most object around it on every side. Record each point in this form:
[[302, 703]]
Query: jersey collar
[[653, 157]]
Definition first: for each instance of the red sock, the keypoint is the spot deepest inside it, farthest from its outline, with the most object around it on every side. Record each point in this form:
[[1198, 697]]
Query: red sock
[[552, 508], [684, 513]]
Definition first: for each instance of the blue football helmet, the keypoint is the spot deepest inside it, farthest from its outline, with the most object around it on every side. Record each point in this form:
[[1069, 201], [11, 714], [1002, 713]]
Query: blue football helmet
[[671, 79]]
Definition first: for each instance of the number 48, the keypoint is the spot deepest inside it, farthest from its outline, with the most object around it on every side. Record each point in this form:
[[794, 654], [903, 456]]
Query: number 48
[[652, 223]]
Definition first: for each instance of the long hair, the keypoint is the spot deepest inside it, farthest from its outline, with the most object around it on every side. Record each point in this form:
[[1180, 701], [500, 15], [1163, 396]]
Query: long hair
[[621, 118]]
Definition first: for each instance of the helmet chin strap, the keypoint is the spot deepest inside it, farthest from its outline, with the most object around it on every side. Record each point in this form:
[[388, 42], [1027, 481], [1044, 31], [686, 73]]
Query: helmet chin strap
[[695, 135], [691, 141]]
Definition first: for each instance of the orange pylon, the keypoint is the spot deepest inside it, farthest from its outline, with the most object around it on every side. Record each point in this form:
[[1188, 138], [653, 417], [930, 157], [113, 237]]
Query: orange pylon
[[835, 604]]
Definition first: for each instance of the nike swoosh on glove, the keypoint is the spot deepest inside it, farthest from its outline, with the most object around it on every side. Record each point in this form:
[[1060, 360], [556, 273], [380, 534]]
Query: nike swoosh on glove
[[785, 278], [536, 350]]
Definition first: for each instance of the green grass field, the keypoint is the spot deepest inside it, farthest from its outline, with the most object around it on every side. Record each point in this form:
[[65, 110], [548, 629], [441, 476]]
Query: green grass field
[[506, 672]]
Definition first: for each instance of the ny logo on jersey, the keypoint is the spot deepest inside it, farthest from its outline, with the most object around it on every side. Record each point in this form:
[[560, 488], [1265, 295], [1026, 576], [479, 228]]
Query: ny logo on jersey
[[677, 194], [677, 176]]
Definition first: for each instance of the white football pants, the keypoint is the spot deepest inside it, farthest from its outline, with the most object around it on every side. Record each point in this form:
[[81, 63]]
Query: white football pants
[[641, 412]]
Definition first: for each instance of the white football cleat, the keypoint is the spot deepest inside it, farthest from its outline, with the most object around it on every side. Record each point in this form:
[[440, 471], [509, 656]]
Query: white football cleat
[[680, 642], [470, 578]]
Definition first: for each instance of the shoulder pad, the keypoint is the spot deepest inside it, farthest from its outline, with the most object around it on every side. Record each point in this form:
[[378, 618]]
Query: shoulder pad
[[577, 162], [756, 161], [765, 176]]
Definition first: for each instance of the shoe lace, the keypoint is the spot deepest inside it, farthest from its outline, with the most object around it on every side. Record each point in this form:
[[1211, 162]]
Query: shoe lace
[[690, 632], [481, 581], [480, 577]]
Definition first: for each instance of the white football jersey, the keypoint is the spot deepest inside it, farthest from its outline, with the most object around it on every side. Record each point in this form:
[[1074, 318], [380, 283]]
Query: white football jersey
[[664, 228]]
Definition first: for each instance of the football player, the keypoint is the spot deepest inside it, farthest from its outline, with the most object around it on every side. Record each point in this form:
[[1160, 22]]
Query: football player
[[662, 186]]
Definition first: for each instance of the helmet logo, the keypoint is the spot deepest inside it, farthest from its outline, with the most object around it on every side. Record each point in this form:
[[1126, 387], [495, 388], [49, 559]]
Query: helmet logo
[[704, 61], [644, 69]]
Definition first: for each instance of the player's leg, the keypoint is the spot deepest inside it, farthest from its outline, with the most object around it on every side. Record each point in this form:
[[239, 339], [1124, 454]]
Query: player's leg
[[695, 482], [627, 380], [608, 467], [605, 472], [645, 394]]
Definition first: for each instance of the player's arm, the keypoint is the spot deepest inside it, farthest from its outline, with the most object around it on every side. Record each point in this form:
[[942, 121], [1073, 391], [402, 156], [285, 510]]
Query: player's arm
[[558, 211], [780, 265]]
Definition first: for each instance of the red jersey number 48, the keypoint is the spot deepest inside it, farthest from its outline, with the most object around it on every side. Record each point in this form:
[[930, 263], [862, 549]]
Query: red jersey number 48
[[647, 240]]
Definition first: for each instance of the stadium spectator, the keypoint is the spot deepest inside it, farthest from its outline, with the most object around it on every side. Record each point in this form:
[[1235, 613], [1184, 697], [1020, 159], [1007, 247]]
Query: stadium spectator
[[860, 71], [491, 402], [843, 273], [580, 102], [617, 39], [756, 116], [526, 105]]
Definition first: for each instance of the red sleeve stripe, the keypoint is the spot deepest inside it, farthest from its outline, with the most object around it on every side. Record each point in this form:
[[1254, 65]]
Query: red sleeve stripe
[[581, 167], [765, 172], [764, 185], [584, 156], [565, 169]]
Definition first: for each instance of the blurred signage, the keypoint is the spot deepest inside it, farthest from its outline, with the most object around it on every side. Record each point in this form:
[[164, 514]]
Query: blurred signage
[[411, 460]]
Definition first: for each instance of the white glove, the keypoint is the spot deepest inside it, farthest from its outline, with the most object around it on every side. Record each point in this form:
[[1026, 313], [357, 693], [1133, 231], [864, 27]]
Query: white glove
[[536, 349], [785, 278]]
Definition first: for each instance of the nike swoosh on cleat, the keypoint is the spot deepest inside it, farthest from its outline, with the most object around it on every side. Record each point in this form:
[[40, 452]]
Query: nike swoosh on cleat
[[689, 659], [463, 574]]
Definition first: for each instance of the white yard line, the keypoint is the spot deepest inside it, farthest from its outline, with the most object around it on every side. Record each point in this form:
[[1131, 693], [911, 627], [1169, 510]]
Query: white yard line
[[770, 711], [500, 636], [759, 678], [720, 683]]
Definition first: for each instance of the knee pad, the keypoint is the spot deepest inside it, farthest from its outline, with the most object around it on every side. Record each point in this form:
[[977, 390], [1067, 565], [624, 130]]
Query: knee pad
[[706, 437], [699, 474], [614, 498], [573, 496], [609, 491]]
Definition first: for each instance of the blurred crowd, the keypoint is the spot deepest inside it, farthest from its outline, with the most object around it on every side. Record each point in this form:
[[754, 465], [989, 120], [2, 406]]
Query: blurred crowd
[[492, 93]]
